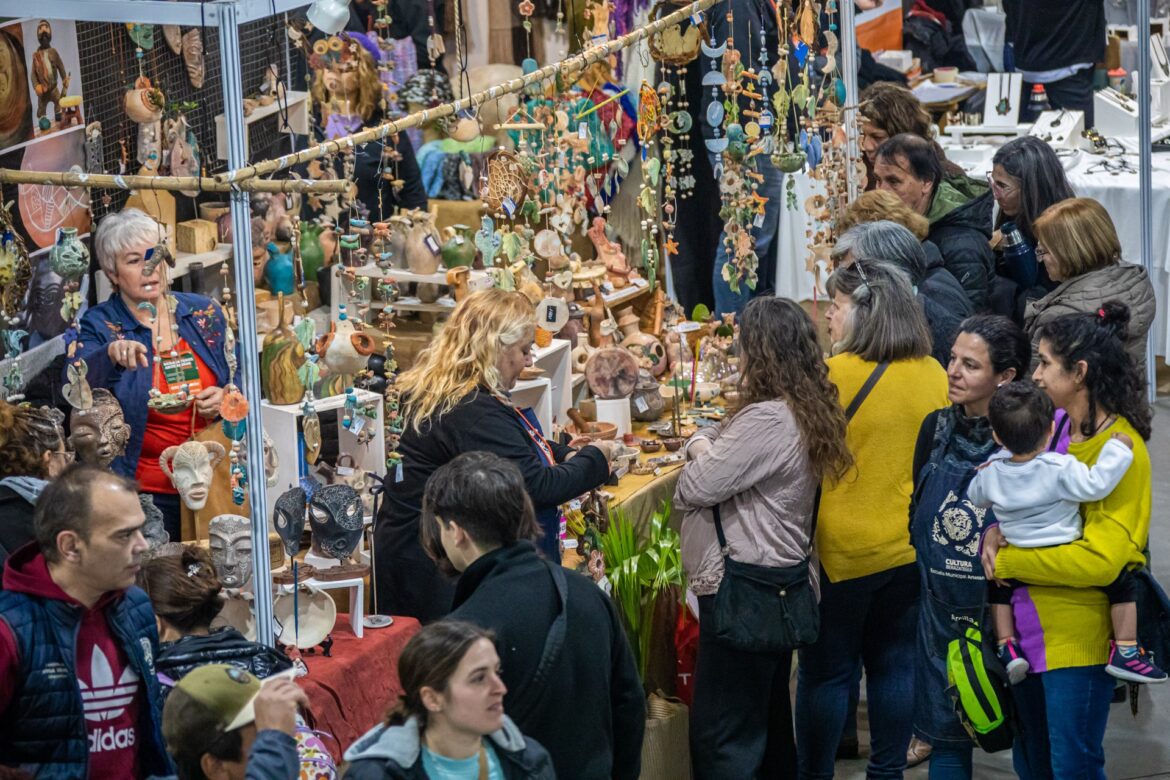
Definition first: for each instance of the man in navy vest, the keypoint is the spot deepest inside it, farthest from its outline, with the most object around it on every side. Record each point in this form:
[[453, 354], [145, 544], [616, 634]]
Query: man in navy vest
[[79, 696]]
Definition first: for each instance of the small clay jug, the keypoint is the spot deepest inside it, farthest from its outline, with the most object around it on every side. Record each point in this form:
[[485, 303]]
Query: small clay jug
[[459, 248], [312, 255], [646, 403], [280, 358], [423, 250]]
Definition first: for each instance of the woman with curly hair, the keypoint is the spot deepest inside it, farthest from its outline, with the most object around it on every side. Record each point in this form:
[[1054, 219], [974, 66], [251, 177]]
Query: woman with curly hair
[[760, 470], [1062, 614], [883, 370], [32, 452], [455, 400]]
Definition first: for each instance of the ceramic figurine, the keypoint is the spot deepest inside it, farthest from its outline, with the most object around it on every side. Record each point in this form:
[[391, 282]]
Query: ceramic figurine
[[312, 254], [597, 313], [488, 241], [99, 434], [422, 244], [189, 467], [344, 349], [278, 272], [230, 545], [459, 248], [610, 253], [69, 257], [280, 361], [335, 512], [580, 354]]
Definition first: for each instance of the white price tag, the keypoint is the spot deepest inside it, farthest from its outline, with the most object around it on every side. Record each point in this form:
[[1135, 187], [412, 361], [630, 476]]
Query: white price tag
[[640, 404], [575, 505], [758, 221], [639, 282], [344, 471], [459, 240], [356, 425], [432, 244], [570, 544], [582, 130]]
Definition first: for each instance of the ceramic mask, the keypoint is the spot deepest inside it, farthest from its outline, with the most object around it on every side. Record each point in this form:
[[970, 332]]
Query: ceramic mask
[[336, 514], [288, 516], [230, 543], [99, 434], [190, 467], [271, 461], [154, 530]]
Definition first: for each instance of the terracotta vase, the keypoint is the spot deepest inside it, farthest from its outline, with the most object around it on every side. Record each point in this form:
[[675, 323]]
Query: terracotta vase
[[459, 248], [422, 244], [580, 354], [648, 350], [280, 358]]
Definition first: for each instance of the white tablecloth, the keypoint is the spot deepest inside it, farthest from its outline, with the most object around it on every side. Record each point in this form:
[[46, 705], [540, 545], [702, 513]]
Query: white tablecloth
[[1118, 194]]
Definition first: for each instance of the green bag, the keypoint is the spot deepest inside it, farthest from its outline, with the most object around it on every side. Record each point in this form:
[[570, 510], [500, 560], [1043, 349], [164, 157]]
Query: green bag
[[980, 690]]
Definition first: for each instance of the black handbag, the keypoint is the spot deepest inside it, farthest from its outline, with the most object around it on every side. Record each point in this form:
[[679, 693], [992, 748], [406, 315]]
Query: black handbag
[[769, 609]]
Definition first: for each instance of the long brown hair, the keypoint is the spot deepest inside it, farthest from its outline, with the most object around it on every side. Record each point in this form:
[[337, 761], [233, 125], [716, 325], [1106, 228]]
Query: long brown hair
[[429, 660], [782, 360], [183, 588]]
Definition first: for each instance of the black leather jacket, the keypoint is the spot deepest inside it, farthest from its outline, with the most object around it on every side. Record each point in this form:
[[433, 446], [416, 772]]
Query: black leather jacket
[[222, 646]]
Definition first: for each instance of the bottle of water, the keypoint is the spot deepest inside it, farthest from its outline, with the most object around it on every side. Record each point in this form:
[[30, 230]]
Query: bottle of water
[[1038, 102]]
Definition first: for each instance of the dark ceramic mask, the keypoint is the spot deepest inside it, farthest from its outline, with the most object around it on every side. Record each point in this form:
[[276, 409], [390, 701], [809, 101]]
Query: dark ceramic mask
[[336, 514], [289, 518]]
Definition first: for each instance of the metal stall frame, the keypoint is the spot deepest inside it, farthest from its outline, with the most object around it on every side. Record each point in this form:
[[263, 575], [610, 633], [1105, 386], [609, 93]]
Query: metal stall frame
[[227, 15]]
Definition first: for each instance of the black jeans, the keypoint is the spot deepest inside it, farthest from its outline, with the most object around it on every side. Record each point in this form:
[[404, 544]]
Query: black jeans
[[1074, 93], [741, 716]]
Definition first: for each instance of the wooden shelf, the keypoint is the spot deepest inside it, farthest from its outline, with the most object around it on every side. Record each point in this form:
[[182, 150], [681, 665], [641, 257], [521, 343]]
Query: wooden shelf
[[445, 305], [403, 275], [624, 295], [297, 106]]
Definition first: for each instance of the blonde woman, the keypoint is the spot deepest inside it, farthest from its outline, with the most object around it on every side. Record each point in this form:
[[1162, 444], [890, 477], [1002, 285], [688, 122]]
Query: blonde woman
[[456, 400]]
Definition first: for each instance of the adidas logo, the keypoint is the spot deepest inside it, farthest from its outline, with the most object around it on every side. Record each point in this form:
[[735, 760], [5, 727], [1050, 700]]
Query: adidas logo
[[104, 698], [102, 740]]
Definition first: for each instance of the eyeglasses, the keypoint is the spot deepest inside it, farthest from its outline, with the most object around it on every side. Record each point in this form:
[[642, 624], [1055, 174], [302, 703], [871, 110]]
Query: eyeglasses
[[68, 456], [1002, 189], [1042, 253]]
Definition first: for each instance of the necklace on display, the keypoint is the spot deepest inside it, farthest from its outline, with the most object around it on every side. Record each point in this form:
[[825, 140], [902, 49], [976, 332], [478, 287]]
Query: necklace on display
[[1003, 105]]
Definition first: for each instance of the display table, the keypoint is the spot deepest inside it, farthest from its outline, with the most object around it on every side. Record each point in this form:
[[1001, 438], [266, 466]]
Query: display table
[[352, 690]]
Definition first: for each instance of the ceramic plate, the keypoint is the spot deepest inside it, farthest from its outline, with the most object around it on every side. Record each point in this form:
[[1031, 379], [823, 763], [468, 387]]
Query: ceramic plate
[[377, 621]]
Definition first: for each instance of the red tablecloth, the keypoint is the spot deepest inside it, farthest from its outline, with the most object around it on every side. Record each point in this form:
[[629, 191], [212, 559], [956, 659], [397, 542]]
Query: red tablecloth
[[351, 691]]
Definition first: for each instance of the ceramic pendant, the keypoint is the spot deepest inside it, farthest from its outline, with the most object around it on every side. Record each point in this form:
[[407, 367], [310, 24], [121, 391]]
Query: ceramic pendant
[[142, 35], [173, 35], [713, 78], [682, 122], [193, 56], [715, 114], [311, 428], [800, 95], [93, 148]]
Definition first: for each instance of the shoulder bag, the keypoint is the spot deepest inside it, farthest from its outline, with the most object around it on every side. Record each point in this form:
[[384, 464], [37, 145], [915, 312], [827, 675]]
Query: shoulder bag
[[767, 609]]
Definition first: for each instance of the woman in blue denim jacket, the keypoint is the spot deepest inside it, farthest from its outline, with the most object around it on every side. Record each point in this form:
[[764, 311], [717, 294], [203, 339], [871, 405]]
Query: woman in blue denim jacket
[[118, 344]]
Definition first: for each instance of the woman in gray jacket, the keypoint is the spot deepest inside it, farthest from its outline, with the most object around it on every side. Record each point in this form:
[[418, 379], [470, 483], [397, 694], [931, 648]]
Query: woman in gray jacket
[[761, 466]]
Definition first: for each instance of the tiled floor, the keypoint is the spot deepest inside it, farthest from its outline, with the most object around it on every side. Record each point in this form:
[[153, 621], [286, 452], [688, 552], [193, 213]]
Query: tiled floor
[[1134, 748]]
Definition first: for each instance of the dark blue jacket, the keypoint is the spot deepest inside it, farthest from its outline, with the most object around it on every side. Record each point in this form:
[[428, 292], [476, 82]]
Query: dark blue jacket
[[43, 730], [201, 325]]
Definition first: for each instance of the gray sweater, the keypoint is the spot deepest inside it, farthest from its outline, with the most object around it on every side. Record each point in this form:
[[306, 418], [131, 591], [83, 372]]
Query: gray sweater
[[758, 471]]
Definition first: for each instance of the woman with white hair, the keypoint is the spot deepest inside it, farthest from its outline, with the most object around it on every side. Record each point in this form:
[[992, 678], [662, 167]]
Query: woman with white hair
[[144, 337], [938, 292]]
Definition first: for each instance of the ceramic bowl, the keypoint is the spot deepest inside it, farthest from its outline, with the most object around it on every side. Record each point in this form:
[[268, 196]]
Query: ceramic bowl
[[650, 445], [602, 431], [706, 391], [672, 444], [669, 395]]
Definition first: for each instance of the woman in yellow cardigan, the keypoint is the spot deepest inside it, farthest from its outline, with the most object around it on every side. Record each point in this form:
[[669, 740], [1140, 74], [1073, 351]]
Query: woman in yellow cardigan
[[869, 584], [1062, 616]]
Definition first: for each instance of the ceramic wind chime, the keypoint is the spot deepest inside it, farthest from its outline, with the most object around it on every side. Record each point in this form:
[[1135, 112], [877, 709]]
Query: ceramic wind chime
[[15, 277]]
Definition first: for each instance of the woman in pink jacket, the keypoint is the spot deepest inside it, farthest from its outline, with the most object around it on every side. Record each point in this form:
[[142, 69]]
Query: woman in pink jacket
[[761, 468]]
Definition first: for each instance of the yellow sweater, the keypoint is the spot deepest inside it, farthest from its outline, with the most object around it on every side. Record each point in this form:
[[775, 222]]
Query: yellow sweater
[[1062, 618], [864, 525]]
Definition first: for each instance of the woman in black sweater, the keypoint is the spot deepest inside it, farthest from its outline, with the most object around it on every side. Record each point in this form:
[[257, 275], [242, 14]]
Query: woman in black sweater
[[456, 400]]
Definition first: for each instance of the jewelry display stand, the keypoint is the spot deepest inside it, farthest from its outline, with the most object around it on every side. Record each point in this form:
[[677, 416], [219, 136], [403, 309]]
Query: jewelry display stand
[[1116, 115], [1004, 92], [1061, 129]]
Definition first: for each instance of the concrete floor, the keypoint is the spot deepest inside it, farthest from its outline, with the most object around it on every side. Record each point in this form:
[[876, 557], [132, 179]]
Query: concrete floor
[[1134, 747]]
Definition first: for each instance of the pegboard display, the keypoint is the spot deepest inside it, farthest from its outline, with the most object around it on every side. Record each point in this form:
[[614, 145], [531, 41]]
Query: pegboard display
[[109, 68]]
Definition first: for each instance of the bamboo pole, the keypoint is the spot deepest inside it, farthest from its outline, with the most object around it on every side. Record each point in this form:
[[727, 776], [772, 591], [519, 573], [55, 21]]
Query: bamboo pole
[[569, 67], [172, 183]]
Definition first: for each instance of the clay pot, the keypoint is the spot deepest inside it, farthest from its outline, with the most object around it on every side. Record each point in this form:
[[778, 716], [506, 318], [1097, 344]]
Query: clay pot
[[422, 244], [278, 271], [672, 444], [650, 445], [648, 350], [344, 350], [459, 248], [646, 403], [598, 431], [580, 354], [212, 210], [396, 243]]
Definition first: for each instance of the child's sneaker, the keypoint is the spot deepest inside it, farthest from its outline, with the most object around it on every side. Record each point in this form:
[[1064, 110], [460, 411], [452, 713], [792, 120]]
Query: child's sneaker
[[1013, 661], [1133, 663]]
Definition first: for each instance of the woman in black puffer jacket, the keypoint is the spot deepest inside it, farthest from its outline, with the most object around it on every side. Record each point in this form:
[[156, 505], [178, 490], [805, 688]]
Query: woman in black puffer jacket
[[185, 593]]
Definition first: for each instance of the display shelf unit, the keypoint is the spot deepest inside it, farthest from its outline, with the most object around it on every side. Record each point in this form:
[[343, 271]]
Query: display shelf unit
[[294, 106], [444, 305], [556, 361], [283, 423], [183, 261]]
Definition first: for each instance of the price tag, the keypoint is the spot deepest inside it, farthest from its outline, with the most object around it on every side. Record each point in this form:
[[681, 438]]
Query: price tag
[[697, 18], [509, 207], [758, 221], [344, 471], [459, 240], [641, 405], [639, 282], [575, 505], [570, 544], [359, 422], [432, 244], [582, 130]]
